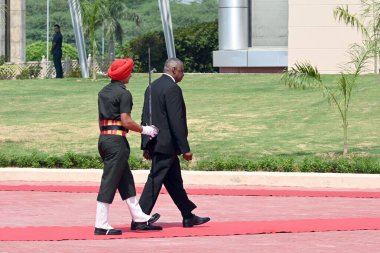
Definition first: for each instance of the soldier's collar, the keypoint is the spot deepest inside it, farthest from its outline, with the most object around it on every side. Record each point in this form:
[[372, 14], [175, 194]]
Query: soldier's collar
[[119, 83]]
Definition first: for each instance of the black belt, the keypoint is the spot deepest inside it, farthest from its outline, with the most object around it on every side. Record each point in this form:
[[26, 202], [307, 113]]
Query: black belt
[[106, 128]]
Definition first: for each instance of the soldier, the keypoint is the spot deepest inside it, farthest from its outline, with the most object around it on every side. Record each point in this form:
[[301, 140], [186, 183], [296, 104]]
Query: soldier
[[115, 106]]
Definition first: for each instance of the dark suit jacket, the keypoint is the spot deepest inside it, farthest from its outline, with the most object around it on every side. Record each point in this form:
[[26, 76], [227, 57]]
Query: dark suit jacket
[[169, 115]]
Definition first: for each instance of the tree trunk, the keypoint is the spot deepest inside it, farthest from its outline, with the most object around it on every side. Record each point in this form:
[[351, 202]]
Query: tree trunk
[[111, 50], [93, 69], [345, 138], [375, 59], [93, 60]]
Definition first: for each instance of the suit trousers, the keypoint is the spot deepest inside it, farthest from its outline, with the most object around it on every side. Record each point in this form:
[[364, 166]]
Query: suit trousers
[[57, 59], [114, 151], [165, 170]]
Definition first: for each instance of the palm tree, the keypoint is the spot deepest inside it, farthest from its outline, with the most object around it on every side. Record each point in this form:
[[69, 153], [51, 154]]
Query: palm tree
[[304, 74], [367, 21], [93, 13], [105, 13], [113, 30]]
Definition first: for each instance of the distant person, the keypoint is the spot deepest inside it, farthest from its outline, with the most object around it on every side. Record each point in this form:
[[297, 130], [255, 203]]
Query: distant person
[[56, 50], [167, 111], [115, 107]]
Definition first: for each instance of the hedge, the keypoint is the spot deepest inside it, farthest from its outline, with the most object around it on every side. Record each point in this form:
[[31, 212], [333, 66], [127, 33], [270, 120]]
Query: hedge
[[359, 164], [367, 165], [36, 50]]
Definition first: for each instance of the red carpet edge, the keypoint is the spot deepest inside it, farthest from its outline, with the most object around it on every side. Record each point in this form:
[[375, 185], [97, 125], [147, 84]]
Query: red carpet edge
[[55, 233], [223, 192]]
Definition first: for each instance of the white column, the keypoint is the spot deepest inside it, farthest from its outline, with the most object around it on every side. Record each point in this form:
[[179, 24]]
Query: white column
[[17, 31], [2, 27]]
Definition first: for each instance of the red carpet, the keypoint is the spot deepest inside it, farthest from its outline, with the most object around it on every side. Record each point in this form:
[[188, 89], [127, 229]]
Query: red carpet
[[224, 192], [210, 229]]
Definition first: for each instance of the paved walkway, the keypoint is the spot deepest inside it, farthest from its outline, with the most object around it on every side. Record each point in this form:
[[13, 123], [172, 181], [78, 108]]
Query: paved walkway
[[39, 208]]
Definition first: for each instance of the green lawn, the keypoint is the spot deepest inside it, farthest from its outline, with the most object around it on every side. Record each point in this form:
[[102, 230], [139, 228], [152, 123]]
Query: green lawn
[[229, 115]]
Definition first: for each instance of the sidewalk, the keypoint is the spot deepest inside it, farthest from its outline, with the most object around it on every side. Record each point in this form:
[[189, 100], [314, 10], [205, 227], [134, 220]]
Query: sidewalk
[[214, 178], [43, 209]]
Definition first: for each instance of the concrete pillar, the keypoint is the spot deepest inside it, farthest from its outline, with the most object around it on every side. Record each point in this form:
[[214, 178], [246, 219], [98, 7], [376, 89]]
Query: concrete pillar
[[2, 28], [17, 31]]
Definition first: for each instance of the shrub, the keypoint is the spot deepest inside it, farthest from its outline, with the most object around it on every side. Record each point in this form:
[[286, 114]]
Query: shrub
[[36, 50], [194, 46], [137, 49], [369, 165]]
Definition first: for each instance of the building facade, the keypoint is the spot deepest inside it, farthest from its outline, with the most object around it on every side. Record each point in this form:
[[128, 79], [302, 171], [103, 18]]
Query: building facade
[[270, 35]]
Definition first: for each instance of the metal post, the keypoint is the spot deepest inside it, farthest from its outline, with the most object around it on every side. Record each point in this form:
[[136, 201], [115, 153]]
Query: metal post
[[167, 26], [79, 39], [47, 35], [103, 41], [150, 88]]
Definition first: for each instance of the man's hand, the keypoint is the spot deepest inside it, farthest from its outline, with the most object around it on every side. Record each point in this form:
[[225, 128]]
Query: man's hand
[[146, 155], [188, 156], [152, 131]]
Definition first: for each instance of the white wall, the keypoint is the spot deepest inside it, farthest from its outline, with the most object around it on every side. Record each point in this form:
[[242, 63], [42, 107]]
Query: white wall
[[315, 36]]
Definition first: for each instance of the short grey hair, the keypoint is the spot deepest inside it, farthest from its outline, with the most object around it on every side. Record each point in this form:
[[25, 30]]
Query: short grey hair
[[172, 63]]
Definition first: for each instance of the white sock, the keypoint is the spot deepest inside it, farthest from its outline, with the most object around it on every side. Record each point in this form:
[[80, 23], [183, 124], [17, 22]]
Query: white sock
[[101, 221], [134, 208]]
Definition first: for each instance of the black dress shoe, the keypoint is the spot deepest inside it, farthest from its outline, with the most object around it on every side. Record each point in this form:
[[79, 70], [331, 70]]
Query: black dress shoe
[[147, 225], [144, 226], [195, 220], [112, 231], [154, 218]]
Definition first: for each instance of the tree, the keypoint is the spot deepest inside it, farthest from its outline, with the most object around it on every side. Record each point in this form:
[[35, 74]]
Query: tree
[[303, 75], [367, 21], [93, 13], [106, 14], [194, 45], [36, 20], [113, 29]]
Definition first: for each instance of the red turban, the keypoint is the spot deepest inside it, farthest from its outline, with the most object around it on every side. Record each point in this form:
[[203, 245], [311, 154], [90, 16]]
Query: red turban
[[120, 69]]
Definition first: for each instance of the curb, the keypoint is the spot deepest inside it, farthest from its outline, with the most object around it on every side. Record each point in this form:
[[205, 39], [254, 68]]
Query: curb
[[287, 179]]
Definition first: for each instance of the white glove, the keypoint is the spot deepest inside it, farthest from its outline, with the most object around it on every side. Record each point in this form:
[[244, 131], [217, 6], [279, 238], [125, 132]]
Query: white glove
[[152, 131]]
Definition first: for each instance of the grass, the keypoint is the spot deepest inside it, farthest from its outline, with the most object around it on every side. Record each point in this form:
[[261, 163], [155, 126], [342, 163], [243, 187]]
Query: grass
[[229, 116]]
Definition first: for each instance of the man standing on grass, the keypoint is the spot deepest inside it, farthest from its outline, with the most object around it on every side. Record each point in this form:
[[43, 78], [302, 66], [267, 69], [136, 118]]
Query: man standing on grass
[[165, 107], [56, 50], [115, 106]]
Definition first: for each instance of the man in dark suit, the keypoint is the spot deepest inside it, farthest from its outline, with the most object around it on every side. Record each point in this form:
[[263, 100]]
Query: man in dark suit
[[164, 107], [56, 50]]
